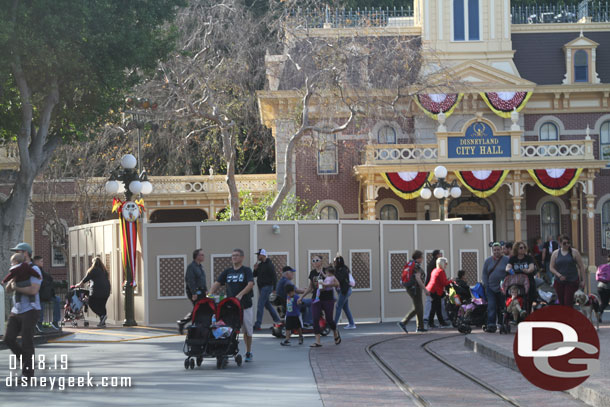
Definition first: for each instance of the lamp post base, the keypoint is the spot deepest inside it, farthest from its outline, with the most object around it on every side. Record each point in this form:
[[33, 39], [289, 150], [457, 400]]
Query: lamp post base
[[129, 306]]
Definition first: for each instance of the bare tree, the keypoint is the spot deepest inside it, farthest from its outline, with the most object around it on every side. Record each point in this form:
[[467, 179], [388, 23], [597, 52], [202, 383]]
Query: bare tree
[[210, 82], [349, 75]]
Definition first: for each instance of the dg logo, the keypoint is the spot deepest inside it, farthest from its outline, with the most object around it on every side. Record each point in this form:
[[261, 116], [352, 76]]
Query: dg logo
[[557, 348]]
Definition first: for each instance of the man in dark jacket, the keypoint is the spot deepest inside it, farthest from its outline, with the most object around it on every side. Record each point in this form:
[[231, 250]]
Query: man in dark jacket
[[266, 279], [196, 287]]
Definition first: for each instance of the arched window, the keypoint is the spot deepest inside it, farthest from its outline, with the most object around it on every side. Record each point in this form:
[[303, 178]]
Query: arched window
[[604, 140], [386, 135], [328, 213], [388, 212], [581, 66], [548, 132], [549, 220]]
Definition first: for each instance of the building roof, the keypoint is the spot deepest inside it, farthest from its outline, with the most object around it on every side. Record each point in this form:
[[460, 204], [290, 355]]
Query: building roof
[[540, 58]]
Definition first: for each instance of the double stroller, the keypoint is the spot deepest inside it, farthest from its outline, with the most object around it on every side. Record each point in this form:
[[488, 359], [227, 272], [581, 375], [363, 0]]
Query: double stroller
[[75, 307], [466, 306], [519, 285], [214, 333]]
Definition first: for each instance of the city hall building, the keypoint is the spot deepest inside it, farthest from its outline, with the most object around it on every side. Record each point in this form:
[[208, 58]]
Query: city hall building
[[525, 135]]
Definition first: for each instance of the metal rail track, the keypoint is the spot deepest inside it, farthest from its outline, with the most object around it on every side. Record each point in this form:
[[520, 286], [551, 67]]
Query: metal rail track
[[412, 394]]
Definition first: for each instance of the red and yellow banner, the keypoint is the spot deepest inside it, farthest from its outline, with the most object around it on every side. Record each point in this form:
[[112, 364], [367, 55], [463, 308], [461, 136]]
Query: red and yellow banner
[[406, 185], [482, 183], [129, 234], [556, 181], [434, 103], [503, 103]]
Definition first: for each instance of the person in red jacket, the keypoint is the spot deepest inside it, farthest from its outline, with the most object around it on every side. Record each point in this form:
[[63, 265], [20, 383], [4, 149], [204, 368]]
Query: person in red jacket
[[436, 286]]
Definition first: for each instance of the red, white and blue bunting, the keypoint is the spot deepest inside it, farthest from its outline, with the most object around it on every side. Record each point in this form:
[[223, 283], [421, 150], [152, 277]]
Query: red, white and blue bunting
[[503, 103], [482, 183], [556, 181], [434, 103], [406, 184]]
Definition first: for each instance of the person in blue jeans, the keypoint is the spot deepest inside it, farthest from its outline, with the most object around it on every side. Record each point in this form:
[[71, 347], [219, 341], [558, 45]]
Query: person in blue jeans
[[345, 291], [494, 271], [266, 279]]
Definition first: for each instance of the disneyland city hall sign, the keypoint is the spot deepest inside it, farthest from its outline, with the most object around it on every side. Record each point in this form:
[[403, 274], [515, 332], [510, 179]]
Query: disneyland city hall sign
[[479, 141]]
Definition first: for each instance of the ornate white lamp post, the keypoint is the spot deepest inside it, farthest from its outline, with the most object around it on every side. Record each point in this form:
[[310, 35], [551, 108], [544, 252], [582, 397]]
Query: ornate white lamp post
[[441, 189]]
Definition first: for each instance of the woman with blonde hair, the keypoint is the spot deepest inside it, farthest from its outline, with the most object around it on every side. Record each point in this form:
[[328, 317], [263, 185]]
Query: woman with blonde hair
[[100, 289]]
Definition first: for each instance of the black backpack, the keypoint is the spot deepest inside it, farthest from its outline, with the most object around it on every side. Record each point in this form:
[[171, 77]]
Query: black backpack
[[47, 291]]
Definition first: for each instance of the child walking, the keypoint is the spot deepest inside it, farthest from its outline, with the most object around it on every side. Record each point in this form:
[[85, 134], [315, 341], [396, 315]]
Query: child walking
[[293, 312]]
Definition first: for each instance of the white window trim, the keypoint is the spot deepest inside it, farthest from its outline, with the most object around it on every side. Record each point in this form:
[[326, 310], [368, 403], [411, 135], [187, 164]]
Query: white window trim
[[466, 23], [541, 204], [334, 204], [370, 287], [336, 149], [390, 252], [600, 210], [478, 270], [556, 128], [170, 256]]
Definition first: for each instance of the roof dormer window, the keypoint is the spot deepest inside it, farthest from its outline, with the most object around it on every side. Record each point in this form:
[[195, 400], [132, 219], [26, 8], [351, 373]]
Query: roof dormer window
[[580, 61]]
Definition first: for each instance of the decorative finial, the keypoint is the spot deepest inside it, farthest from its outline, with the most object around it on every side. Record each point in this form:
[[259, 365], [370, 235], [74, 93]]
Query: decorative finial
[[211, 171], [588, 137]]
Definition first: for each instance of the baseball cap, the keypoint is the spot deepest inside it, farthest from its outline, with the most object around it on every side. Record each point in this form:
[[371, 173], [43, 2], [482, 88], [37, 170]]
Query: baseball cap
[[22, 247], [262, 252], [287, 268]]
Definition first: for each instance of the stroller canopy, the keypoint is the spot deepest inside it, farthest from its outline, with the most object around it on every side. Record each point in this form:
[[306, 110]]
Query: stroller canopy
[[229, 311], [203, 311], [515, 279]]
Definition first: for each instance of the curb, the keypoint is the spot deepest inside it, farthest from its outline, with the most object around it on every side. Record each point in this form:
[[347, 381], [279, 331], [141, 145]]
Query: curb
[[587, 394], [39, 339]]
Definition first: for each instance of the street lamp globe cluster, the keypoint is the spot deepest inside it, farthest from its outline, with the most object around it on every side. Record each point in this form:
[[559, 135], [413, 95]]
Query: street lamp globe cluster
[[441, 189], [133, 183]]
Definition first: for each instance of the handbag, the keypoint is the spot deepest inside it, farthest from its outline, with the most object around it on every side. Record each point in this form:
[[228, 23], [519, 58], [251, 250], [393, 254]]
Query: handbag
[[352, 282]]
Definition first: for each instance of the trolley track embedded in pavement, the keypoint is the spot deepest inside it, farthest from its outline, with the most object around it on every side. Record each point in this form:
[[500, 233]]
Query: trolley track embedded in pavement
[[411, 392]]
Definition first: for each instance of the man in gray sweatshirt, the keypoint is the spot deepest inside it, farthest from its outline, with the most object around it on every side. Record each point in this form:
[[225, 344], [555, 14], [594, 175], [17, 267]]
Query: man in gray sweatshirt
[[494, 271]]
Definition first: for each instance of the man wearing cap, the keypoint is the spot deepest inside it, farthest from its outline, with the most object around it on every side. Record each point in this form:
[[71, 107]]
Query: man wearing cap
[[266, 279], [24, 315]]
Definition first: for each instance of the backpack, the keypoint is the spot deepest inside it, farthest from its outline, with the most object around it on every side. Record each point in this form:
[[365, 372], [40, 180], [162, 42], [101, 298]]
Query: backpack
[[47, 292], [603, 273], [408, 278]]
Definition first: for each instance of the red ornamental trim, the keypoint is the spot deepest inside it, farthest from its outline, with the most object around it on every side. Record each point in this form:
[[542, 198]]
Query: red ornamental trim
[[407, 186], [437, 107], [506, 105], [482, 184], [555, 183]]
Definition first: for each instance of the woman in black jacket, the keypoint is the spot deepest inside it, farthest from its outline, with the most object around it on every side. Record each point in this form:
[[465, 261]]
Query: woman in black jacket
[[100, 289], [345, 290]]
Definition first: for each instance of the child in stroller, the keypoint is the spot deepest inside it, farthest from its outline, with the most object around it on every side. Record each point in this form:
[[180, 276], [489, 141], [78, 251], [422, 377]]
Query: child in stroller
[[515, 287], [458, 293], [76, 306], [214, 333], [473, 310]]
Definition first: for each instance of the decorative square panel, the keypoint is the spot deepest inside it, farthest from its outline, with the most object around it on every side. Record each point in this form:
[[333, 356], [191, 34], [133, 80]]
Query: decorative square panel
[[325, 256], [279, 261], [220, 264], [171, 277], [397, 263], [469, 263], [361, 269]]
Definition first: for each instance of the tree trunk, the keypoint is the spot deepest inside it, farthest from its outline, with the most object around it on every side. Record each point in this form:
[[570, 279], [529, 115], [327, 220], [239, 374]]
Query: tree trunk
[[288, 177], [229, 153]]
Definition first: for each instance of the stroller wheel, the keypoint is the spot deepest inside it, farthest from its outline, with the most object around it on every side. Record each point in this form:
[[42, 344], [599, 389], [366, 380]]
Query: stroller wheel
[[325, 331], [238, 359], [74, 323], [219, 362], [283, 332], [192, 363], [86, 323], [186, 363], [62, 323], [199, 360], [225, 362]]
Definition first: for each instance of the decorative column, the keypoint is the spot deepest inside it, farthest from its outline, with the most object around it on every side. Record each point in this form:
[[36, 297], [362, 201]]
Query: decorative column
[[517, 216], [371, 200], [574, 213], [515, 191]]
